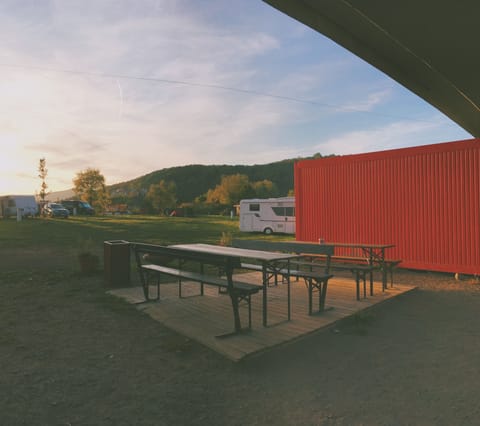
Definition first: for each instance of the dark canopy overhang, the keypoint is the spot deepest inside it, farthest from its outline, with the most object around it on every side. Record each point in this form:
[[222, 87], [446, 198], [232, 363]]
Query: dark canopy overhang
[[431, 47]]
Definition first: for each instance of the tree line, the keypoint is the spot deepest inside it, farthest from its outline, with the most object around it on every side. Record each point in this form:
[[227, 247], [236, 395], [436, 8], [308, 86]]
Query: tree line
[[161, 197]]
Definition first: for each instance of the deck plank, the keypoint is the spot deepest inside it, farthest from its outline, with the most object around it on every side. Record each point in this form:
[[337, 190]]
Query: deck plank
[[203, 318]]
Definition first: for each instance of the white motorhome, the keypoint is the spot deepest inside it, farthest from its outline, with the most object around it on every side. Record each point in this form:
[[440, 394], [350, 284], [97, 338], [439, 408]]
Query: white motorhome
[[268, 215], [11, 205]]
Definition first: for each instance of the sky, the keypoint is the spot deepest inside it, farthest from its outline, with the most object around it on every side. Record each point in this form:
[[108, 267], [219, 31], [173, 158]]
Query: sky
[[133, 86]]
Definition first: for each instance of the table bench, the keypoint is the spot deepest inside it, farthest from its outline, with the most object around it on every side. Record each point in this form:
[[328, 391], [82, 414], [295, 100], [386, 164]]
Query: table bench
[[316, 257], [358, 266], [212, 269], [315, 280], [344, 262]]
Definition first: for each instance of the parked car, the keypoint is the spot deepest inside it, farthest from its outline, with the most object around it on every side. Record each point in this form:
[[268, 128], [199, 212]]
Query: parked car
[[78, 207], [55, 210]]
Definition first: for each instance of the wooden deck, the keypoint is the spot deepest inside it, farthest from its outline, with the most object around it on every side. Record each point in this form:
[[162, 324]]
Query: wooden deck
[[203, 318]]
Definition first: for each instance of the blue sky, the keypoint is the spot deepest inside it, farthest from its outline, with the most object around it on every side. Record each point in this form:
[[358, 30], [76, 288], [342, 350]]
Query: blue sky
[[130, 86]]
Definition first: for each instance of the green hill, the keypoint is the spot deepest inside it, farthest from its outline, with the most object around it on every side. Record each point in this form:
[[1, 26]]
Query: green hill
[[195, 180]]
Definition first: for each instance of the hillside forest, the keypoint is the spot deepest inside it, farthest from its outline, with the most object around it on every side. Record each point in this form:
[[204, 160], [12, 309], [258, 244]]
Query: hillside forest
[[200, 189]]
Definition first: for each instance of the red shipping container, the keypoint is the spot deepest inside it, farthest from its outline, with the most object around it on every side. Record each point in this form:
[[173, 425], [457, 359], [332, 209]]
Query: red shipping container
[[425, 200]]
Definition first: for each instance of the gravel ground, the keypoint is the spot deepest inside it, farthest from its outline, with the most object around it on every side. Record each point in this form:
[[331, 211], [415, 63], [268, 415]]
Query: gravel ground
[[72, 355]]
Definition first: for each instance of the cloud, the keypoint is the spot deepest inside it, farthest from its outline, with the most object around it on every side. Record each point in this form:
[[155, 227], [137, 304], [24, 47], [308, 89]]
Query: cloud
[[372, 100], [389, 136]]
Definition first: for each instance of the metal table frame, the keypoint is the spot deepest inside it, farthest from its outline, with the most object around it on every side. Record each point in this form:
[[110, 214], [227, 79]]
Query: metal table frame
[[271, 263]]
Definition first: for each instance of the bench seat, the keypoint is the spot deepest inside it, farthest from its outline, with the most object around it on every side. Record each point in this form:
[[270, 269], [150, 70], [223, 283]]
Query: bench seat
[[359, 269], [251, 266], [154, 260], [203, 278]]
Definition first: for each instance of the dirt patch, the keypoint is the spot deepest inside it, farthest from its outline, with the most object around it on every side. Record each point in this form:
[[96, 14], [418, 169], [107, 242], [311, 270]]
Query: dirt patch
[[72, 355]]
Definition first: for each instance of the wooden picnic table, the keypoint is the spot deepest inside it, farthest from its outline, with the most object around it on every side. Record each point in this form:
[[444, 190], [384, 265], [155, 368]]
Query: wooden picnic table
[[374, 254], [272, 263]]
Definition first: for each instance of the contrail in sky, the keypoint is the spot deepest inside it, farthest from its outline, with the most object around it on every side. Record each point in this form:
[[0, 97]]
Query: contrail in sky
[[120, 90]]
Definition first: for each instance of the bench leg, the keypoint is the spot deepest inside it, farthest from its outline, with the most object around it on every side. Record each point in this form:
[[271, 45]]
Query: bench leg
[[323, 294], [391, 267], [364, 277], [146, 285], [236, 298], [310, 291], [361, 275], [289, 308], [321, 288], [201, 284], [357, 281], [387, 270], [384, 278], [236, 313]]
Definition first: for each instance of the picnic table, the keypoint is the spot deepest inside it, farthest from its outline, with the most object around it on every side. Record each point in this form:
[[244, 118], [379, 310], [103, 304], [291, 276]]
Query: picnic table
[[183, 264], [271, 263], [374, 254], [359, 258]]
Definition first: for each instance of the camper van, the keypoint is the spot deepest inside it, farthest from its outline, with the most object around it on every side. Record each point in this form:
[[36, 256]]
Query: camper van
[[11, 205], [268, 215]]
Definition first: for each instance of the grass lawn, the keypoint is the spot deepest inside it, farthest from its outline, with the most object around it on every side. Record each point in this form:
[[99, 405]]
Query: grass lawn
[[67, 234], [53, 244]]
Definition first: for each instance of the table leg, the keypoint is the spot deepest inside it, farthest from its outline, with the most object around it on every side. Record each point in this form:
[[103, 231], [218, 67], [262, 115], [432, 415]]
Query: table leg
[[323, 295], [384, 276], [288, 291], [384, 270], [236, 314], [265, 285]]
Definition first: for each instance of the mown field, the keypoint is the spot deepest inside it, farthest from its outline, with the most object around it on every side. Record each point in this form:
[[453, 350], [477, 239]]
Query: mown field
[[69, 233], [52, 243]]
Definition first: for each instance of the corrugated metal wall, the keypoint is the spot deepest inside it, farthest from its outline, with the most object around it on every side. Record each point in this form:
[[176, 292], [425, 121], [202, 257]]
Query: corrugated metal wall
[[425, 200]]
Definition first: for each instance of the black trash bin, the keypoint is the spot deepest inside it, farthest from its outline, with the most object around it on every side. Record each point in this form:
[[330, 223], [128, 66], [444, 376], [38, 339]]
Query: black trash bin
[[116, 263]]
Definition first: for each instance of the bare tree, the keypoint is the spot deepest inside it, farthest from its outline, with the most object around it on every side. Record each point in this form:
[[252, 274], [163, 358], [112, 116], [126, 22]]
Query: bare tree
[[42, 174]]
